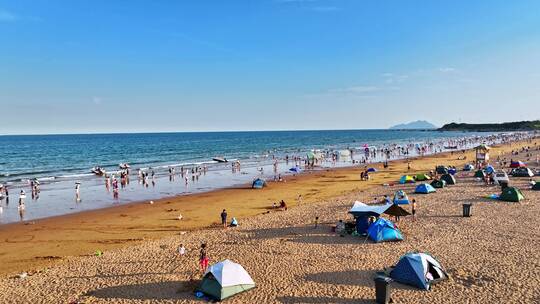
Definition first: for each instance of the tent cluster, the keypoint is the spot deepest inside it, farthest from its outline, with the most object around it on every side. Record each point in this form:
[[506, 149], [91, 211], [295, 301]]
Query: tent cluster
[[382, 230]]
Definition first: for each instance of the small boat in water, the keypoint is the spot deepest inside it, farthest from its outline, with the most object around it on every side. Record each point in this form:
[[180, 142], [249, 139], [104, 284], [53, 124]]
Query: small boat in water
[[98, 171], [220, 159]]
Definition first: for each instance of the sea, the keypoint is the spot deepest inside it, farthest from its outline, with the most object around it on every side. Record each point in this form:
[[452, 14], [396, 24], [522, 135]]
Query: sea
[[58, 162]]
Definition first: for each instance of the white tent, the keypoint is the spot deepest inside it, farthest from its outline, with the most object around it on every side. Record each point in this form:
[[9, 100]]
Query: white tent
[[228, 273]]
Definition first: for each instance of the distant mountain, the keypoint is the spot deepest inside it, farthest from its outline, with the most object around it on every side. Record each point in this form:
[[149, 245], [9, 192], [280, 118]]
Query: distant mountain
[[415, 125], [496, 127]]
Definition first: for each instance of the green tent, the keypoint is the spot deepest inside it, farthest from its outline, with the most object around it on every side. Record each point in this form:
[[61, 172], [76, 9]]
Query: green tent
[[480, 174], [511, 194], [536, 186], [438, 183], [225, 279], [422, 177], [449, 179]]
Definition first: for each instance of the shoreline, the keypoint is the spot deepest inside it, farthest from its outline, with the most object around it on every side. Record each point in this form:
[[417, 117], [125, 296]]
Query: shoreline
[[26, 246]]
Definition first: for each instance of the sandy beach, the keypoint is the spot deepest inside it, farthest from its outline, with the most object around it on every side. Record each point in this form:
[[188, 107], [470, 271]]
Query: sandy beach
[[491, 257]]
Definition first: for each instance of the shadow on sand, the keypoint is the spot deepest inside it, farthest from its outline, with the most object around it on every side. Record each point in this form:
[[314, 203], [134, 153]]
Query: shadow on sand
[[171, 290], [306, 235], [331, 300], [351, 277]]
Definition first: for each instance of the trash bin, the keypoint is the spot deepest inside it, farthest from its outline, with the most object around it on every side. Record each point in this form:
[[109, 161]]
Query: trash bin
[[467, 210], [382, 289]]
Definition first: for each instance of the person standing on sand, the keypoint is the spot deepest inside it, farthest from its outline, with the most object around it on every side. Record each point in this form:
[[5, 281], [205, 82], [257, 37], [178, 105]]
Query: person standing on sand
[[413, 209], [203, 258], [224, 218]]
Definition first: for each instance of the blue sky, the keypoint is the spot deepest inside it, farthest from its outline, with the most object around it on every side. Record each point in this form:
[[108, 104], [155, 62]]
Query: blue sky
[[128, 66]]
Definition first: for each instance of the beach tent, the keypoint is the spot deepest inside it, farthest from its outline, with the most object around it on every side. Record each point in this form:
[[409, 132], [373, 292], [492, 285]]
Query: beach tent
[[401, 198], [522, 172], [225, 279], [536, 186], [480, 174], [424, 189], [452, 171], [517, 164], [422, 177], [383, 230], [490, 169], [362, 212], [418, 269], [468, 167], [259, 183], [449, 179], [371, 170], [438, 183], [406, 179], [511, 194]]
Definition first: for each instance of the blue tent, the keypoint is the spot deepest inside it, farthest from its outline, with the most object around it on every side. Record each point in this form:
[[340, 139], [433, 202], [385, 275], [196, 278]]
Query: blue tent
[[490, 169], [384, 230], [424, 188], [452, 171], [371, 170], [259, 183], [418, 269], [401, 198], [362, 224]]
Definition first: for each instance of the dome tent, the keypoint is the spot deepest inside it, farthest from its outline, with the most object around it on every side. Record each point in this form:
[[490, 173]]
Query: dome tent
[[418, 269], [468, 167], [384, 230], [511, 194], [438, 183], [517, 164], [225, 279], [400, 198], [480, 174], [406, 179], [424, 189], [422, 177], [536, 186], [449, 179]]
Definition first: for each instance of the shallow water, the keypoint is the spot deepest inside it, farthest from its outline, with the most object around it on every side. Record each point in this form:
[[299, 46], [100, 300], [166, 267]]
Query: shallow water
[[58, 161]]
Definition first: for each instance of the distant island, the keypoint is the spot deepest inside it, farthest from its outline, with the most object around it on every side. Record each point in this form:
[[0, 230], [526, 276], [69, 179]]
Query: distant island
[[495, 127], [415, 125]]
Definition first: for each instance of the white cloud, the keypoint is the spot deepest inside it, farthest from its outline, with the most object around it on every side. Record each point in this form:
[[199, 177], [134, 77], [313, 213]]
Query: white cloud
[[6, 16]]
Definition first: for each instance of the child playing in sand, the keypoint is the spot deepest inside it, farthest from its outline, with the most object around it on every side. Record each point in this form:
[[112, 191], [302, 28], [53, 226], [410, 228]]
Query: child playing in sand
[[181, 250], [203, 258]]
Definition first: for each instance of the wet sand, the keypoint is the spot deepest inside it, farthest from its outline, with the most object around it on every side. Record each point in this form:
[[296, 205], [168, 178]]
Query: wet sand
[[484, 254]]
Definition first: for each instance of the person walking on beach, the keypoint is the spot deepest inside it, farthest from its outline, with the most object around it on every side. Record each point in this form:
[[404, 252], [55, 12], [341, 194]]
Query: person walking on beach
[[224, 218], [413, 209], [203, 258]]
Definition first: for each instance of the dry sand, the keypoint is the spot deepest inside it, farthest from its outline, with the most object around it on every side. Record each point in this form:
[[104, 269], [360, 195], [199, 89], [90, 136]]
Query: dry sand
[[492, 257]]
